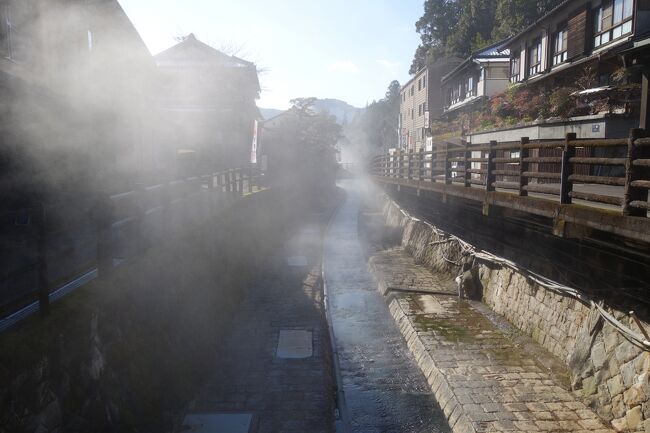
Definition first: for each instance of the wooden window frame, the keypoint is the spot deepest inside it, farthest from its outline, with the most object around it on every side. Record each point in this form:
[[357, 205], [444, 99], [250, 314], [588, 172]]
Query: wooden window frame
[[606, 30], [6, 45], [560, 53], [515, 60], [470, 89], [535, 69]]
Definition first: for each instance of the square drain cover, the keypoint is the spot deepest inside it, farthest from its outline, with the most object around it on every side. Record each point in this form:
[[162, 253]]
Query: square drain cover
[[297, 261], [294, 344], [218, 423]]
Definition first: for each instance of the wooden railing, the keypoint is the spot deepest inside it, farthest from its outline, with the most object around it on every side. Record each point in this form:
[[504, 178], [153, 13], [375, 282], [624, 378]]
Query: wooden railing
[[612, 172], [57, 243]]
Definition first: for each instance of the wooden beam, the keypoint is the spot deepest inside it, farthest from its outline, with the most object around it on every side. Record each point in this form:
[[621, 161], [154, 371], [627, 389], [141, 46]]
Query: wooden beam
[[644, 121]]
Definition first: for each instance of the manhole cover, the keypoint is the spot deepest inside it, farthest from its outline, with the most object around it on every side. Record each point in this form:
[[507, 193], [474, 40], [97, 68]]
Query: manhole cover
[[294, 344], [297, 261], [218, 423]]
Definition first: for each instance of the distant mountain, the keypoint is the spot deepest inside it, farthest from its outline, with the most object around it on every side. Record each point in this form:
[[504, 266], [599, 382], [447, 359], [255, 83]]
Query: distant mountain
[[341, 109], [267, 113]]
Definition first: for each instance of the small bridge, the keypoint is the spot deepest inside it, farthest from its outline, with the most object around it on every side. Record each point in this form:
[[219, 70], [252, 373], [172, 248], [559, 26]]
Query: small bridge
[[581, 184]]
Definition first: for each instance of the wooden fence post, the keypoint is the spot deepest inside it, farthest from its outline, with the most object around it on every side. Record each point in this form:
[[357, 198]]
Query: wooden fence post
[[409, 162], [432, 164], [140, 244], [400, 163], [566, 185], [103, 216], [523, 166], [421, 165], [447, 165], [490, 177], [231, 183], [240, 181], [468, 165], [635, 173], [43, 280]]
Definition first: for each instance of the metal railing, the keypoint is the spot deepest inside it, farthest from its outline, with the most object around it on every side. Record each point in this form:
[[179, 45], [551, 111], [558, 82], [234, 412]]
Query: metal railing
[[50, 246], [611, 172]]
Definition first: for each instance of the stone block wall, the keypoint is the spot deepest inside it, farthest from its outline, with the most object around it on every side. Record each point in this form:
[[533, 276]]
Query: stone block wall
[[610, 374]]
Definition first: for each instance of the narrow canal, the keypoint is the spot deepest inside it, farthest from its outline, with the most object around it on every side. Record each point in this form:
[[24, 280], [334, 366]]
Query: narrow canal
[[384, 389]]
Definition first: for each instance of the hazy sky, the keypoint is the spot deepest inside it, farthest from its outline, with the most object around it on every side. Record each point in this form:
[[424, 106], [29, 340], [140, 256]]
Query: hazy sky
[[344, 49]]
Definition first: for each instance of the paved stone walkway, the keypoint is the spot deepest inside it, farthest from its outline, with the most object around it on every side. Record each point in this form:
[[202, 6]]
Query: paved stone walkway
[[485, 378], [394, 271], [283, 395]]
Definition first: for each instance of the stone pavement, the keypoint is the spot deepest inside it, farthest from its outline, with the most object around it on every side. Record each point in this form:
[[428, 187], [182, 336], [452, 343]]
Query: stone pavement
[[281, 394], [485, 376], [394, 271]]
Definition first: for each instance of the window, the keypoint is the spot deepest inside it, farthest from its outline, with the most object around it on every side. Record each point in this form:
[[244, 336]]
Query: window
[[424, 81], [412, 89], [560, 47], [419, 84], [424, 107], [6, 32], [612, 20], [535, 58], [424, 133], [515, 68], [457, 94], [412, 113], [469, 89], [420, 110]]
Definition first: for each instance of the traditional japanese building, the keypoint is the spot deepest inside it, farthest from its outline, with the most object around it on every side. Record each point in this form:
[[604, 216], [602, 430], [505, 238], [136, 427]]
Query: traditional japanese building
[[75, 78], [207, 100], [480, 76]]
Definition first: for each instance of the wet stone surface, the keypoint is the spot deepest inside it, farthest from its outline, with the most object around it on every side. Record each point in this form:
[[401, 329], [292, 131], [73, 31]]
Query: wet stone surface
[[486, 376], [394, 271], [283, 313], [384, 389]]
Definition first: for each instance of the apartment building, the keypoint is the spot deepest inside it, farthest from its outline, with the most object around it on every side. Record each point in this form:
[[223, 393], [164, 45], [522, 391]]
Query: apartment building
[[483, 74], [421, 102]]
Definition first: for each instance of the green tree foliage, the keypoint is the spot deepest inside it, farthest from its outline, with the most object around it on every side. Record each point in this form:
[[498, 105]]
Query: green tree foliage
[[377, 126], [458, 27], [301, 146]]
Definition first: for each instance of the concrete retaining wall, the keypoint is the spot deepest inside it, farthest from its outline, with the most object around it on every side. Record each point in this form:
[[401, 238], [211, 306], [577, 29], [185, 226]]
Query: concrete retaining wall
[[610, 374]]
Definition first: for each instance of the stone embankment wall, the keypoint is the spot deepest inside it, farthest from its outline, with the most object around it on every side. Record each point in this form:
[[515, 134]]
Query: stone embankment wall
[[609, 373]]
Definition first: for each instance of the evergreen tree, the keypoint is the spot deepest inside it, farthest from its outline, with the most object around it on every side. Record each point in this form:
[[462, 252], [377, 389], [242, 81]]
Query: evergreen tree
[[459, 27]]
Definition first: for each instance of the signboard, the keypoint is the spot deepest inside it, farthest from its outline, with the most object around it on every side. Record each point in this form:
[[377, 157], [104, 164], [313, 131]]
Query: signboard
[[426, 120], [254, 145], [429, 144]]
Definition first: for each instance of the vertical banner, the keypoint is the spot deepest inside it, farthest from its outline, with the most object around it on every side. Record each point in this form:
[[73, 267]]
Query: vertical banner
[[427, 124], [254, 145]]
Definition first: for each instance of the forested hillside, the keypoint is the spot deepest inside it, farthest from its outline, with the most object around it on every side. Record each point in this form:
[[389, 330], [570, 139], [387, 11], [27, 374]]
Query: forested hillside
[[458, 27]]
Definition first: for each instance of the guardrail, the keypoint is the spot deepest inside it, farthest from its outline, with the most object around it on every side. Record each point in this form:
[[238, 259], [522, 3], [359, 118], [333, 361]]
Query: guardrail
[[51, 247], [612, 172]]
